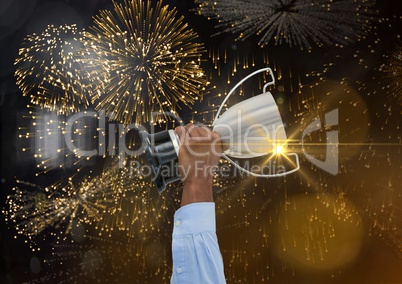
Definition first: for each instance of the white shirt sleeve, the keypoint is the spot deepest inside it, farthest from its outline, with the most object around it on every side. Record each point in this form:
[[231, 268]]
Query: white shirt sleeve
[[195, 249]]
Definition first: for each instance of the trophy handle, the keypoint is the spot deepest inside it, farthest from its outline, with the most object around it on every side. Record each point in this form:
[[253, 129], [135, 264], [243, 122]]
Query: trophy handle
[[265, 175], [241, 82]]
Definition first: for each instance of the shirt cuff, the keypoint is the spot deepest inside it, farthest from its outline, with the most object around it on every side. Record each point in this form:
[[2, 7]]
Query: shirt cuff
[[195, 218]]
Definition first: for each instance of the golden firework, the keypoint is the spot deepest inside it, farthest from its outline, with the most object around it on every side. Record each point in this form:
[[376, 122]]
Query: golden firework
[[117, 200], [33, 209], [140, 59], [130, 206], [393, 73], [47, 70]]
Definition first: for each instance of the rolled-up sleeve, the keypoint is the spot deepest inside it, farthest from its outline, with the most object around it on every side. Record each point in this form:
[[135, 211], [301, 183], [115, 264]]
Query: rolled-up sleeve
[[195, 249]]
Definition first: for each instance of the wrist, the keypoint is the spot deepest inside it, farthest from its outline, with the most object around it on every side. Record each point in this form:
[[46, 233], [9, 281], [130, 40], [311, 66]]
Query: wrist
[[197, 190], [198, 182]]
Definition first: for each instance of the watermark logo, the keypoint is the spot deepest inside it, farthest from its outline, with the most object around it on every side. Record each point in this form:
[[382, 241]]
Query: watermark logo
[[248, 140], [113, 144], [331, 161], [202, 169]]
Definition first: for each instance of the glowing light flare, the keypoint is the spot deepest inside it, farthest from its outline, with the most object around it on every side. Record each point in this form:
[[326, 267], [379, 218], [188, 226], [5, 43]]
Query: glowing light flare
[[279, 149]]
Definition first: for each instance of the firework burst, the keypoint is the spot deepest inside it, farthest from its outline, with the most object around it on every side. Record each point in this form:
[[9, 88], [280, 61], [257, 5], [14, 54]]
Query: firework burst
[[34, 209], [47, 70], [131, 206], [296, 22], [141, 59], [393, 73], [117, 200]]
